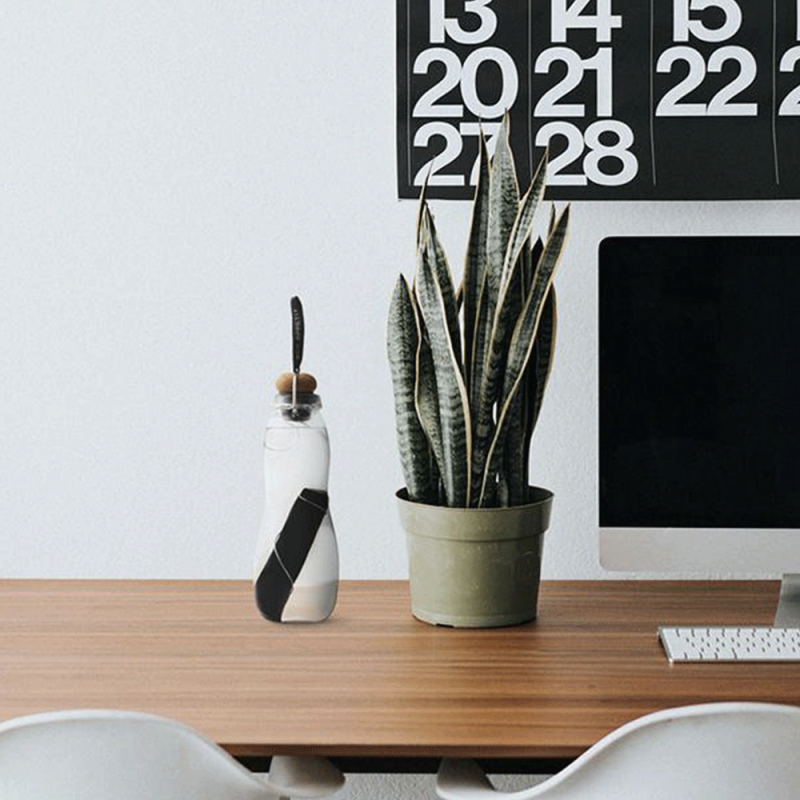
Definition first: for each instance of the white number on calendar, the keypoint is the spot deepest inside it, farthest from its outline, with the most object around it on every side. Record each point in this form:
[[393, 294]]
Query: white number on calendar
[[600, 150], [685, 26], [450, 152], [490, 131], [549, 106], [426, 105], [509, 82], [567, 16], [467, 78], [790, 107], [453, 141], [797, 18], [442, 26], [720, 105]]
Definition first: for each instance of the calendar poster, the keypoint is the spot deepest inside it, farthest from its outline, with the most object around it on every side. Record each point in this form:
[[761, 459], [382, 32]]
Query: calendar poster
[[634, 99]]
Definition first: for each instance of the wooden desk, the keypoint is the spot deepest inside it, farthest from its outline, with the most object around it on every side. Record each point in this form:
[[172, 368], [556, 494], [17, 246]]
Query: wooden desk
[[373, 681]]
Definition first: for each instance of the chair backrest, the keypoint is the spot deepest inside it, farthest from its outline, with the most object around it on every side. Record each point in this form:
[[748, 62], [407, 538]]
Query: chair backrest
[[716, 751], [116, 755]]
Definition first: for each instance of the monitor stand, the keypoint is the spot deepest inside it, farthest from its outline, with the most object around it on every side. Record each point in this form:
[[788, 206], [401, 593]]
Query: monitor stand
[[788, 613]]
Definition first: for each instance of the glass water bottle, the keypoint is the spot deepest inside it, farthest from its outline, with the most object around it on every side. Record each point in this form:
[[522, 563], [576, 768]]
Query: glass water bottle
[[297, 560]]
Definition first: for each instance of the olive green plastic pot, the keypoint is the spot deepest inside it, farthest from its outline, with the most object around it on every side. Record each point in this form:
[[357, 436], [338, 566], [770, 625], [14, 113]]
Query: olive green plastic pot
[[475, 567]]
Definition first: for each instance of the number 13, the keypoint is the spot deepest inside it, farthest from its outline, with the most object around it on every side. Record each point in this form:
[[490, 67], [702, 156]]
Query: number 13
[[441, 25]]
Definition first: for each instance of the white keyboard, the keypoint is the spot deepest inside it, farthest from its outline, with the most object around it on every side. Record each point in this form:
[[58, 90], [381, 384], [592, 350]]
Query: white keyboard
[[729, 643]]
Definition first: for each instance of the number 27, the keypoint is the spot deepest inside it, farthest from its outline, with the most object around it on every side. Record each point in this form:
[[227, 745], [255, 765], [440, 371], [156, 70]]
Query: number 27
[[453, 138]]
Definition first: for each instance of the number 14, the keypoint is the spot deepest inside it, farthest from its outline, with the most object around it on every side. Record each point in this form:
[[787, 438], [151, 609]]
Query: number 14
[[567, 15]]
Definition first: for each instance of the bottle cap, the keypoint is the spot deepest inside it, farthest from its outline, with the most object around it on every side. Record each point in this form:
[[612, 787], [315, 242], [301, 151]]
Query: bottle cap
[[306, 383]]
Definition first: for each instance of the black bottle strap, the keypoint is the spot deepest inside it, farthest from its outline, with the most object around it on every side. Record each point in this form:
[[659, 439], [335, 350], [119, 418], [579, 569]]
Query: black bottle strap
[[274, 584]]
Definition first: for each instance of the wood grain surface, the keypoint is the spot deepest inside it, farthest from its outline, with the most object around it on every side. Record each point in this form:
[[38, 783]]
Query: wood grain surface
[[373, 681]]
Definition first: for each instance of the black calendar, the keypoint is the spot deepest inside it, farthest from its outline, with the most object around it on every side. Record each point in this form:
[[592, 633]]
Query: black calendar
[[634, 99]]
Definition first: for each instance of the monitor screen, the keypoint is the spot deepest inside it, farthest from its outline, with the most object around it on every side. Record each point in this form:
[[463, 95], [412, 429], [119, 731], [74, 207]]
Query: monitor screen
[[699, 390]]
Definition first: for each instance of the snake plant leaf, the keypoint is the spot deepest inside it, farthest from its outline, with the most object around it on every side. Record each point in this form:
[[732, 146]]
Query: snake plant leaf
[[513, 299], [503, 209], [515, 447], [516, 284], [531, 258], [452, 394], [527, 326], [532, 388], [480, 344], [507, 490], [524, 410], [502, 498], [511, 487], [542, 363], [531, 254], [438, 260], [523, 221], [522, 342], [475, 264], [514, 454], [503, 206], [426, 401], [402, 345], [505, 315], [423, 201]]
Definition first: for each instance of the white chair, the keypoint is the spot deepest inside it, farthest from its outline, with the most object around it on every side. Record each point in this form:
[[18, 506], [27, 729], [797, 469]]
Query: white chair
[[715, 751], [125, 755]]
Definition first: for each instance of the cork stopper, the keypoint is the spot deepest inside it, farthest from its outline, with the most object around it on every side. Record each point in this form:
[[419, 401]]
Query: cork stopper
[[306, 383]]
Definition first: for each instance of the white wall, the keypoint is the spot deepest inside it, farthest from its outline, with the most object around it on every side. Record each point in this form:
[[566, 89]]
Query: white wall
[[170, 174]]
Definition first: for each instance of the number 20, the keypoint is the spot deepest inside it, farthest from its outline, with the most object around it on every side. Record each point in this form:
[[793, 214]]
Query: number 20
[[466, 78]]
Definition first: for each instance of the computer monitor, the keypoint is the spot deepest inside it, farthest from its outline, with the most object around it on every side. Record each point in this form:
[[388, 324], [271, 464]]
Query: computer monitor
[[699, 407]]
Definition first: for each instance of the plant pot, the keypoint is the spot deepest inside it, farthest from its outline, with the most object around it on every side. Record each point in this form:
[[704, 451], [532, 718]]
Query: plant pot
[[475, 567]]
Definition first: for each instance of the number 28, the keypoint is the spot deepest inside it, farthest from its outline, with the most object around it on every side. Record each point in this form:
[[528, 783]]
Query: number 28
[[596, 151]]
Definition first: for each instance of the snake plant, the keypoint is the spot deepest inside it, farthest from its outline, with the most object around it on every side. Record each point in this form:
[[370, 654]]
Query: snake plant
[[467, 396]]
